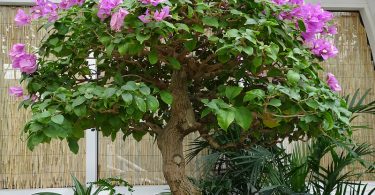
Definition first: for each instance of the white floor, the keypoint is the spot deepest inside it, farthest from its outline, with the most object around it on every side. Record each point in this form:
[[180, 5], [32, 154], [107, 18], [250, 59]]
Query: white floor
[[138, 190]]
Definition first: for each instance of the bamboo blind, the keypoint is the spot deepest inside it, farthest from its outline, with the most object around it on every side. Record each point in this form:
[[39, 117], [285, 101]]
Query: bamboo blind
[[354, 70], [139, 163], [49, 165]]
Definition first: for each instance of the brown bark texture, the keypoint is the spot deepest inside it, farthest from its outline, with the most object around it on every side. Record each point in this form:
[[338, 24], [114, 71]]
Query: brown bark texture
[[170, 139]]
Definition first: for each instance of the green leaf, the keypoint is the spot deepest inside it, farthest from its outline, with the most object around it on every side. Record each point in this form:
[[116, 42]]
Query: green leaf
[[138, 135], [123, 48], [293, 77], [73, 145], [34, 140], [210, 21], [231, 92], [205, 112], [153, 57], [301, 25], [130, 86], [198, 28], [254, 94], [190, 45], [53, 41], [141, 104], [152, 103], [250, 21], [109, 49], [270, 121], [248, 50], [166, 96], [78, 101], [225, 118], [109, 92], [127, 97], [141, 37], [312, 103], [106, 40], [145, 90], [190, 12], [243, 117], [55, 131], [58, 119], [174, 63], [181, 26], [257, 61], [80, 110], [272, 51], [275, 102], [170, 25], [233, 33], [328, 122]]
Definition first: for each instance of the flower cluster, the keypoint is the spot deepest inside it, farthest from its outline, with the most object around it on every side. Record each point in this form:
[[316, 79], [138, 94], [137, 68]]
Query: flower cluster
[[317, 24], [157, 15], [49, 10], [22, 60], [117, 20], [66, 4], [106, 6], [42, 9]]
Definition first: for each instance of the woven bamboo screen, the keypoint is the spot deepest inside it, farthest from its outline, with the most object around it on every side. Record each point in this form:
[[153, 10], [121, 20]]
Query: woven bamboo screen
[[139, 163], [47, 166], [354, 70]]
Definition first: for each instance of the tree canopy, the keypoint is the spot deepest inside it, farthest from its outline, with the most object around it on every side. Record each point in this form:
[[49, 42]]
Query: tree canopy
[[172, 67]]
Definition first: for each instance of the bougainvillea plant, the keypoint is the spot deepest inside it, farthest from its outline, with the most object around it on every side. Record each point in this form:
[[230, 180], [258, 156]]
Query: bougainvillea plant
[[173, 67]]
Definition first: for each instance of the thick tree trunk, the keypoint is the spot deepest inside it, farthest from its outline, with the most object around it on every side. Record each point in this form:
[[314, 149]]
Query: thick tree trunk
[[170, 140], [171, 147]]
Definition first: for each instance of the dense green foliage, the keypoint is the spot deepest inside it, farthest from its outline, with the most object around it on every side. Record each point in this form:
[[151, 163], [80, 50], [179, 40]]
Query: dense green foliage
[[245, 68]]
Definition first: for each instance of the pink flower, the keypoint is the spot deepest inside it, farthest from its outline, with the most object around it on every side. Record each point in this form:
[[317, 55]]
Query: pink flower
[[45, 8], [324, 49], [22, 18], [16, 91], [37, 12], [333, 83], [117, 20], [33, 98], [17, 51], [145, 18], [106, 6], [152, 2], [164, 13], [66, 4], [27, 63]]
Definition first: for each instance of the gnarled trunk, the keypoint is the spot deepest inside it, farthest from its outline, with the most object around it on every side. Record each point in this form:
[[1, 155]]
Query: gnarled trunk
[[170, 139], [171, 147]]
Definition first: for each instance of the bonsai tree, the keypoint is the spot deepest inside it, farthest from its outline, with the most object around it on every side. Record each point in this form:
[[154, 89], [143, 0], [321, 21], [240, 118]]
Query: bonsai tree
[[173, 67]]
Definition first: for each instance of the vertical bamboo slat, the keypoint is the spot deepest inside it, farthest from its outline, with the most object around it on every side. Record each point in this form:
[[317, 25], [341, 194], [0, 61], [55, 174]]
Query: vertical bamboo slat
[[50, 165]]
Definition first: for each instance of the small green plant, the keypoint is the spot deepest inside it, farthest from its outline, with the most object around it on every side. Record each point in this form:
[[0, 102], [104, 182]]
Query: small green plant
[[103, 185]]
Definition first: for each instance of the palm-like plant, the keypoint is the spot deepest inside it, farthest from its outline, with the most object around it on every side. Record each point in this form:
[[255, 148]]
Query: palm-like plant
[[272, 171]]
